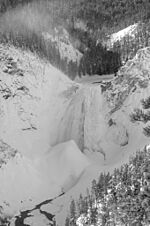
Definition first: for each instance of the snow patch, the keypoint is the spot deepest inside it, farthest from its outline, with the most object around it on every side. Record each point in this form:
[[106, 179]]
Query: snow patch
[[118, 36]]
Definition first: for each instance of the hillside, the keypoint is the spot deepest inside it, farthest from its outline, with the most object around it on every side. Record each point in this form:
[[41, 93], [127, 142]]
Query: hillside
[[76, 33], [31, 110], [121, 195], [61, 123], [120, 198], [36, 116]]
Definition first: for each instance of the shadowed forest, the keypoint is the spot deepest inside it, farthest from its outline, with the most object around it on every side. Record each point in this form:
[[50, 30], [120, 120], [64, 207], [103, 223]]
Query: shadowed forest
[[22, 23]]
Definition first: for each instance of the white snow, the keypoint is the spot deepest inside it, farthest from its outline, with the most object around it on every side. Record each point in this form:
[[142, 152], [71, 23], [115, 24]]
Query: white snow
[[37, 219], [25, 182], [30, 119], [49, 110], [60, 127], [93, 79], [63, 164], [118, 36], [39, 121]]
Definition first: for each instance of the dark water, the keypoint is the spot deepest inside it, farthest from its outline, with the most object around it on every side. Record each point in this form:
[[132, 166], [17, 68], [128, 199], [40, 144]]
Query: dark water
[[20, 219], [28, 213]]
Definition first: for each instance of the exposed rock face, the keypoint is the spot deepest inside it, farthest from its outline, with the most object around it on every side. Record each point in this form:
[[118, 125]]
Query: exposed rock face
[[133, 75], [139, 66]]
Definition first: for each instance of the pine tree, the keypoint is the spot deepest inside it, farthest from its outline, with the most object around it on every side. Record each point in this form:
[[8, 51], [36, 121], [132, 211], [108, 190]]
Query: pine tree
[[67, 222], [73, 213]]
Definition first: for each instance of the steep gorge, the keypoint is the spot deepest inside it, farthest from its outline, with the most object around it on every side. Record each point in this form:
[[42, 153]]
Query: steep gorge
[[42, 110]]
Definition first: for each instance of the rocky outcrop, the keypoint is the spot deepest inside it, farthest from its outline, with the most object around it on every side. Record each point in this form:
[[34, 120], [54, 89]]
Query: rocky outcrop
[[133, 75]]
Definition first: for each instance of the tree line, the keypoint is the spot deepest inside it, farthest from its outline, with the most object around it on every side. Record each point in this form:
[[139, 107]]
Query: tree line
[[121, 198], [101, 18]]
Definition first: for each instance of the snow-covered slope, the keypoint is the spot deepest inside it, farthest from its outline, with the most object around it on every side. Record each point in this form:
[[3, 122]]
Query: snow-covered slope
[[32, 106], [40, 109], [30, 102], [119, 137], [25, 183], [63, 164], [129, 31]]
